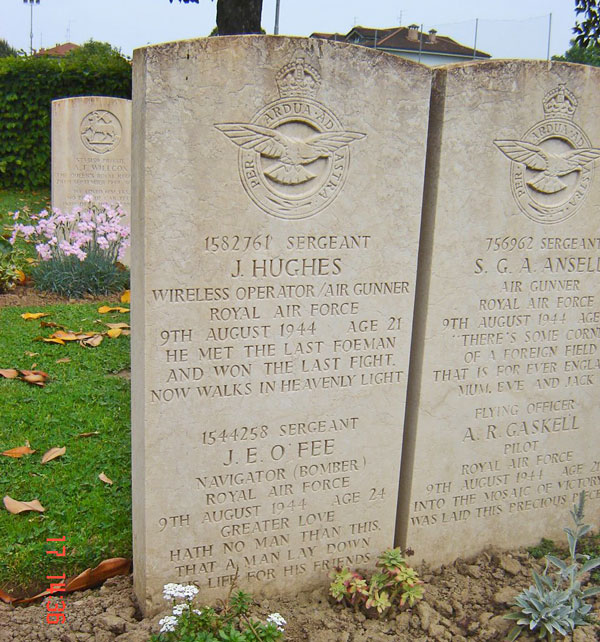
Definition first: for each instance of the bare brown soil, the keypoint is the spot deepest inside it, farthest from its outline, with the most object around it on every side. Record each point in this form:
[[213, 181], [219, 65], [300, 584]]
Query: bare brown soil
[[464, 602], [28, 296]]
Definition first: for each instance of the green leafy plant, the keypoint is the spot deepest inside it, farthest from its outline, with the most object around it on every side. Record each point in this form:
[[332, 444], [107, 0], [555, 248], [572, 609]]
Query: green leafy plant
[[12, 265], [73, 278], [556, 603], [78, 250], [228, 622], [393, 586], [543, 548]]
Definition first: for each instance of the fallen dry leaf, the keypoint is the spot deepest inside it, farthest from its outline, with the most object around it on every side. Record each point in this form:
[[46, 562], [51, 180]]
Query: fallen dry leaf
[[50, 324], [93, 341], [18, 452], [65, 336], [63, 360], [28, 353], [21, 276], [53, 453], [88, 579], [104, 570], [106, 308], [104, 478], [126, 296], [122, 326], [113, 333], [50, 340], [5, 597], [28, 600], [35, 377], [88, 434], [34, 315], [14, 506]]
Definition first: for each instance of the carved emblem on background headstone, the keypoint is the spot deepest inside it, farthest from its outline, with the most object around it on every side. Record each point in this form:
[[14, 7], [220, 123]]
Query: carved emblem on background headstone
[[100, 131], [294, 153], [552, 165]]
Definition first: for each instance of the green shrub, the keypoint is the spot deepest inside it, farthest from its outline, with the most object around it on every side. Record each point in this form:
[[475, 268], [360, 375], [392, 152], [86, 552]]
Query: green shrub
[[395, 585], [27, 87], [557, 603], [71, 277], [12, 265]]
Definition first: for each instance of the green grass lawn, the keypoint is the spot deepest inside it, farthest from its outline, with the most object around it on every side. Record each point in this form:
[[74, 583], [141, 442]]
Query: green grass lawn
[[13, 200], [18, 200], [81, 395]]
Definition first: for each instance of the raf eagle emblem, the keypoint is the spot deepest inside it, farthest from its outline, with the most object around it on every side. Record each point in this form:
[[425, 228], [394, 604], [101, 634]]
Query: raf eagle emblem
[[291, 153], [552, 166]]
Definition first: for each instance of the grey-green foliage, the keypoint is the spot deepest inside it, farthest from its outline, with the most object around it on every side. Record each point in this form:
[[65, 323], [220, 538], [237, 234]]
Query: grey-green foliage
[[556, 603]]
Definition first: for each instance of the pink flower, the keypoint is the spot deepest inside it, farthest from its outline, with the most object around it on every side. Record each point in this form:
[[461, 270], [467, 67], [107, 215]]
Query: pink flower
[[93, 227], [43, 249]]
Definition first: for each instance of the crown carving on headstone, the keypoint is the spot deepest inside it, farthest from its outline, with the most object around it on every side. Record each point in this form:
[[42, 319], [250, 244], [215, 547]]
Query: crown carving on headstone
[[560, 102], [298, 78]]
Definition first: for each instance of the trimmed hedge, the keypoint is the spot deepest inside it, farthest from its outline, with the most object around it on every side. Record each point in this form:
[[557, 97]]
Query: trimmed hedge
[[27, 87]]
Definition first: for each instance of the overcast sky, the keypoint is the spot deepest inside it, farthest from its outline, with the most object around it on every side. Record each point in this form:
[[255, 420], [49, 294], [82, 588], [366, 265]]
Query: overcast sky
[[505, 28]]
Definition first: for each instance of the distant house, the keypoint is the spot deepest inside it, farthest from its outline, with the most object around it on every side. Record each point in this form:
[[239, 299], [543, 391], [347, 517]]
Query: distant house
[[409, 42], [58, 51]]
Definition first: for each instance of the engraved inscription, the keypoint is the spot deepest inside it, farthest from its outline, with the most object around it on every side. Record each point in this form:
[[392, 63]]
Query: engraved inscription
[[520, 361], [262, 335]]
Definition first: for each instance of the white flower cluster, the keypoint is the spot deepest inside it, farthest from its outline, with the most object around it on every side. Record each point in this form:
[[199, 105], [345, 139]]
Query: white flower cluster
[[177, 592], [178, 609], [168, 624], [277, 620], [180, 591]]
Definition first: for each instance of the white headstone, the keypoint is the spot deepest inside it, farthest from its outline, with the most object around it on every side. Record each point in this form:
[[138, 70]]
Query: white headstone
[[277, 198], [502, 427], [91, 151]]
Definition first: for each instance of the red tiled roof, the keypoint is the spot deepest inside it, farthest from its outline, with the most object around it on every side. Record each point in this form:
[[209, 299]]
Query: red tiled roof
[[443, 44], [396, 39], [58, 50]]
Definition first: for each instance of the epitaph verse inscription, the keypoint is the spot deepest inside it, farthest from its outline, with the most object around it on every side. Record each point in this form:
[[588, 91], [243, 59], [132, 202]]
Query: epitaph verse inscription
[[552, 166], [294, 154]]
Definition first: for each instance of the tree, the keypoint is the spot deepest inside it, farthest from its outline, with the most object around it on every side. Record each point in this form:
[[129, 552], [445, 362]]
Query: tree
[[587, 31], [6, 50], [589, 55], [93, 50], [236, 16]]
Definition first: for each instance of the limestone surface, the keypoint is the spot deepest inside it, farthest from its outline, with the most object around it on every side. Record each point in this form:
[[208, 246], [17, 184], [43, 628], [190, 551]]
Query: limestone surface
[[277, 199]]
